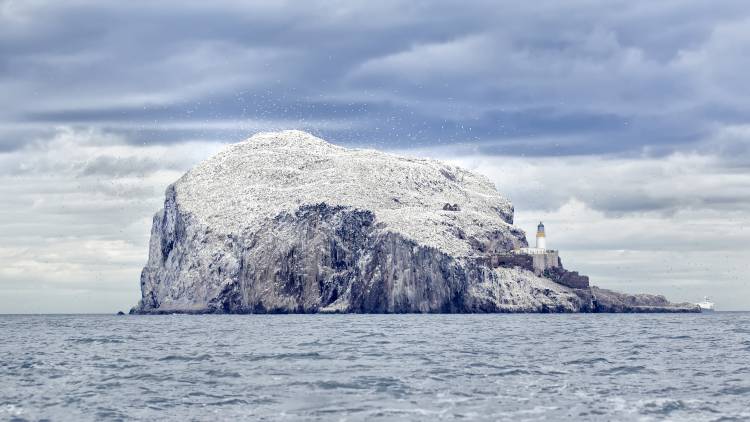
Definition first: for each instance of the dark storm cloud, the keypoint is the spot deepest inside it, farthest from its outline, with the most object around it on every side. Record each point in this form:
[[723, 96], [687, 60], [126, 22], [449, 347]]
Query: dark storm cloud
[[614, 77]]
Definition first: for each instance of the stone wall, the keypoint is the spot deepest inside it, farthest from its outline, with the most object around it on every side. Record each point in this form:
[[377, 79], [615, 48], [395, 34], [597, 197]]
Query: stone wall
[[545, 261], [546, 264], [538, 263], [510, 260], [567, 278]]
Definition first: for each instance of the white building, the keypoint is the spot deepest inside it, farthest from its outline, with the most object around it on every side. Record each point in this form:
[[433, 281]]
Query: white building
[[541, 242], [543, 258]]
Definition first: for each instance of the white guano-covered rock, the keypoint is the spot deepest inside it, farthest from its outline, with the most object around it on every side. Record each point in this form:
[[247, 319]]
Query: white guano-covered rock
[[286, 222]]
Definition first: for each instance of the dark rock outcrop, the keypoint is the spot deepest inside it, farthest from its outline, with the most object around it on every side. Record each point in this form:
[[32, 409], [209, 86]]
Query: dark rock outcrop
[[609, 301]]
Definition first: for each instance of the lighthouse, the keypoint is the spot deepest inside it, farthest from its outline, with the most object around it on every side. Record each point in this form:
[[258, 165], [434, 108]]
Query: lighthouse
[[541, 241], [542, 259]]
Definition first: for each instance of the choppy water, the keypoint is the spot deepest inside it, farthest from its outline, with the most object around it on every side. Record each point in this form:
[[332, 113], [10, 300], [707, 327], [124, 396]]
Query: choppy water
[[357, 367]]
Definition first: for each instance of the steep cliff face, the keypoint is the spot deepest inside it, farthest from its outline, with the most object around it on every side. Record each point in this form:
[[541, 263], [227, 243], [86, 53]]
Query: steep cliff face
[[286, 222]]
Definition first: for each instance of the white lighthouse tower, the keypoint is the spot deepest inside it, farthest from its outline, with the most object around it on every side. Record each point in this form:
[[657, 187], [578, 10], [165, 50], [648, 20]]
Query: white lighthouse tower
[[541, 241], [542, 258]]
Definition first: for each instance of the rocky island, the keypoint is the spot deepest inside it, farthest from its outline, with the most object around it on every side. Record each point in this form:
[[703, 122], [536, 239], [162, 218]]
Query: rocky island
[[285, 222]]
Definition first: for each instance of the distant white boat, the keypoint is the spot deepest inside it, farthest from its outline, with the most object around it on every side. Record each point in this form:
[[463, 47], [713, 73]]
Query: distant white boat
[[706, 305]]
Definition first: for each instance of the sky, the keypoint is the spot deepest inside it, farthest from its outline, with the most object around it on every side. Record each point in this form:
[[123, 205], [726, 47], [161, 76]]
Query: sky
[[623, 125]]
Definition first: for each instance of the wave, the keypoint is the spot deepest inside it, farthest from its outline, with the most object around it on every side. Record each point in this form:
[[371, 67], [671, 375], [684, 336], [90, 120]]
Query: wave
[[622, 370], [185, 358]]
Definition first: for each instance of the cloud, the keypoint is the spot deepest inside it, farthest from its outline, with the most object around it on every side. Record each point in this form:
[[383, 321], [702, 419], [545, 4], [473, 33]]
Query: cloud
[[715, 64], [599, 79]]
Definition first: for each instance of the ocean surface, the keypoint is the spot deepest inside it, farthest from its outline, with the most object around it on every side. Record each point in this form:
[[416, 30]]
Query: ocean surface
[[376, 367]]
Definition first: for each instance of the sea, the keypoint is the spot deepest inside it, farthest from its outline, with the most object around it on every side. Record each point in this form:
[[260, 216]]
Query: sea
[[520, 367]]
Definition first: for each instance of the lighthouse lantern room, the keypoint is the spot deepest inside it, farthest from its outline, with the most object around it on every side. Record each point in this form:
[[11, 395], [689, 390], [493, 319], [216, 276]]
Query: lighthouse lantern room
[[541, 241]]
